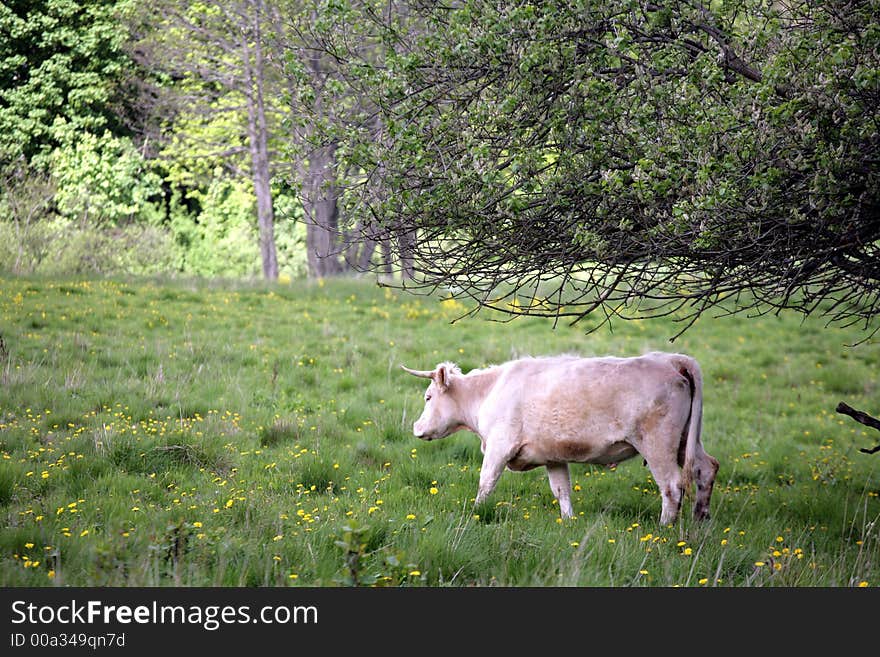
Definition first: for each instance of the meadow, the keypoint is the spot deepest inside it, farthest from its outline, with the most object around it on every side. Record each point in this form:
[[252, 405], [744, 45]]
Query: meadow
[[161, 433]]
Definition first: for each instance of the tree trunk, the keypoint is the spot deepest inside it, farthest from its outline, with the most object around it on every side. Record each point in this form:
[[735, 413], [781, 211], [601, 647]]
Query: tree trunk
[[258, 140], [360, 246], [366, 254], [406, 242], [322, 214], [387, 256]]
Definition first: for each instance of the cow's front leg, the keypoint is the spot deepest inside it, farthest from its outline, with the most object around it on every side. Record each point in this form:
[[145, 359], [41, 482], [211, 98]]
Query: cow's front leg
[[495, 458], [560, 484]]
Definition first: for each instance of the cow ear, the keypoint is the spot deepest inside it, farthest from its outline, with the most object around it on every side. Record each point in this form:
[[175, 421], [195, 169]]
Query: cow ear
[[441, 377]]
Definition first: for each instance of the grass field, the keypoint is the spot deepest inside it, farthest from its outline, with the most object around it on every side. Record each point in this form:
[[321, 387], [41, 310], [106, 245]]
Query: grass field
[[179, 434]]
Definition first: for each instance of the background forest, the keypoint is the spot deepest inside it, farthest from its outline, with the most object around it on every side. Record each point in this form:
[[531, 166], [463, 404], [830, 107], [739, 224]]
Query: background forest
[[171, 137]]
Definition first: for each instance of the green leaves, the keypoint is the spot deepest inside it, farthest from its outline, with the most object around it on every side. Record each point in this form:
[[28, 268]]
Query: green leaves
[[646, 143], [60, 63], [101, 179]]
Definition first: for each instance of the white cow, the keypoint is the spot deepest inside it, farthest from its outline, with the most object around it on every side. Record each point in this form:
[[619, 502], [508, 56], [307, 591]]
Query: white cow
[[554, 411]]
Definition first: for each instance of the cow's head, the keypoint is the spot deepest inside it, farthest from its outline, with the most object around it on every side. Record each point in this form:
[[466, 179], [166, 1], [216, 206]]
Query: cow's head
[[441, 415]]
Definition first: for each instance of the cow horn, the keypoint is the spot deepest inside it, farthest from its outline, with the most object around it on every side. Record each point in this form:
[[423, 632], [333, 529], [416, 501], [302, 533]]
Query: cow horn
[[425, 374]]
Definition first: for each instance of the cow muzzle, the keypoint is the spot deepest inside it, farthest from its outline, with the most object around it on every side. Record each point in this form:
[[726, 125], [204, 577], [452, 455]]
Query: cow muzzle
[[420, 432]]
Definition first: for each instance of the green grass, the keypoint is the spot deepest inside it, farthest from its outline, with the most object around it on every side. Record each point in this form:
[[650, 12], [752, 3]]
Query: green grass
[[161, 434]]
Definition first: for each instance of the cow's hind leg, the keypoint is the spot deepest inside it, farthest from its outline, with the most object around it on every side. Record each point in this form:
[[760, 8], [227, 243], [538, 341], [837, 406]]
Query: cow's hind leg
[[705, 469], [560, 484], [663, 463], [671, 491], [659, 441]]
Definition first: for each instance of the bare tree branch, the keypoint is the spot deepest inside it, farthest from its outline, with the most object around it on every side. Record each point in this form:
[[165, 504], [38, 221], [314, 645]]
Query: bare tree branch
[[862, 418]]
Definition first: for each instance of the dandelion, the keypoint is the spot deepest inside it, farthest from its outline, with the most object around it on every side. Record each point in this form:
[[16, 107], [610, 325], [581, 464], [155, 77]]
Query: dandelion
[[702, 581], [415, 573], [84, 532], [643, 572], [197, 524], [410, 516], [29, 545], [863, 584], [687, 552], [433, 490], [759, 564]]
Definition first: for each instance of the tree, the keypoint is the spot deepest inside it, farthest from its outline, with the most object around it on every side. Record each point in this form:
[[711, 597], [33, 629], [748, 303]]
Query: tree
[[321, 105], [256, 59], [216, 53], [633, 158], [101, 179], [69, 165], [61, 64], [334, 58]]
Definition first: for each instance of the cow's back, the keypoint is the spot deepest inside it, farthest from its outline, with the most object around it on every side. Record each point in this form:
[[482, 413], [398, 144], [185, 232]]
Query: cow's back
[[584, 409]]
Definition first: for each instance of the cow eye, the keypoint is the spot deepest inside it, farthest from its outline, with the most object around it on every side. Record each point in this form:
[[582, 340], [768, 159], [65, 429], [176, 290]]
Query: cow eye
[[427, 398]]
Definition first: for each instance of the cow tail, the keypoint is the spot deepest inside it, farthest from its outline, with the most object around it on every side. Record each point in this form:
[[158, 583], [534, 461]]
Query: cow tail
[[690, 369]]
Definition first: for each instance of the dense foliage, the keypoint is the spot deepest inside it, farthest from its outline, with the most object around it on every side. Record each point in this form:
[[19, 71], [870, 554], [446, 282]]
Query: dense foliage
[[61, 66], [643, 157]]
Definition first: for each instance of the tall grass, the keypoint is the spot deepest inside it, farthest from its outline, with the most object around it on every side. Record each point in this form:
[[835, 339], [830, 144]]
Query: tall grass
[[160, 433]]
